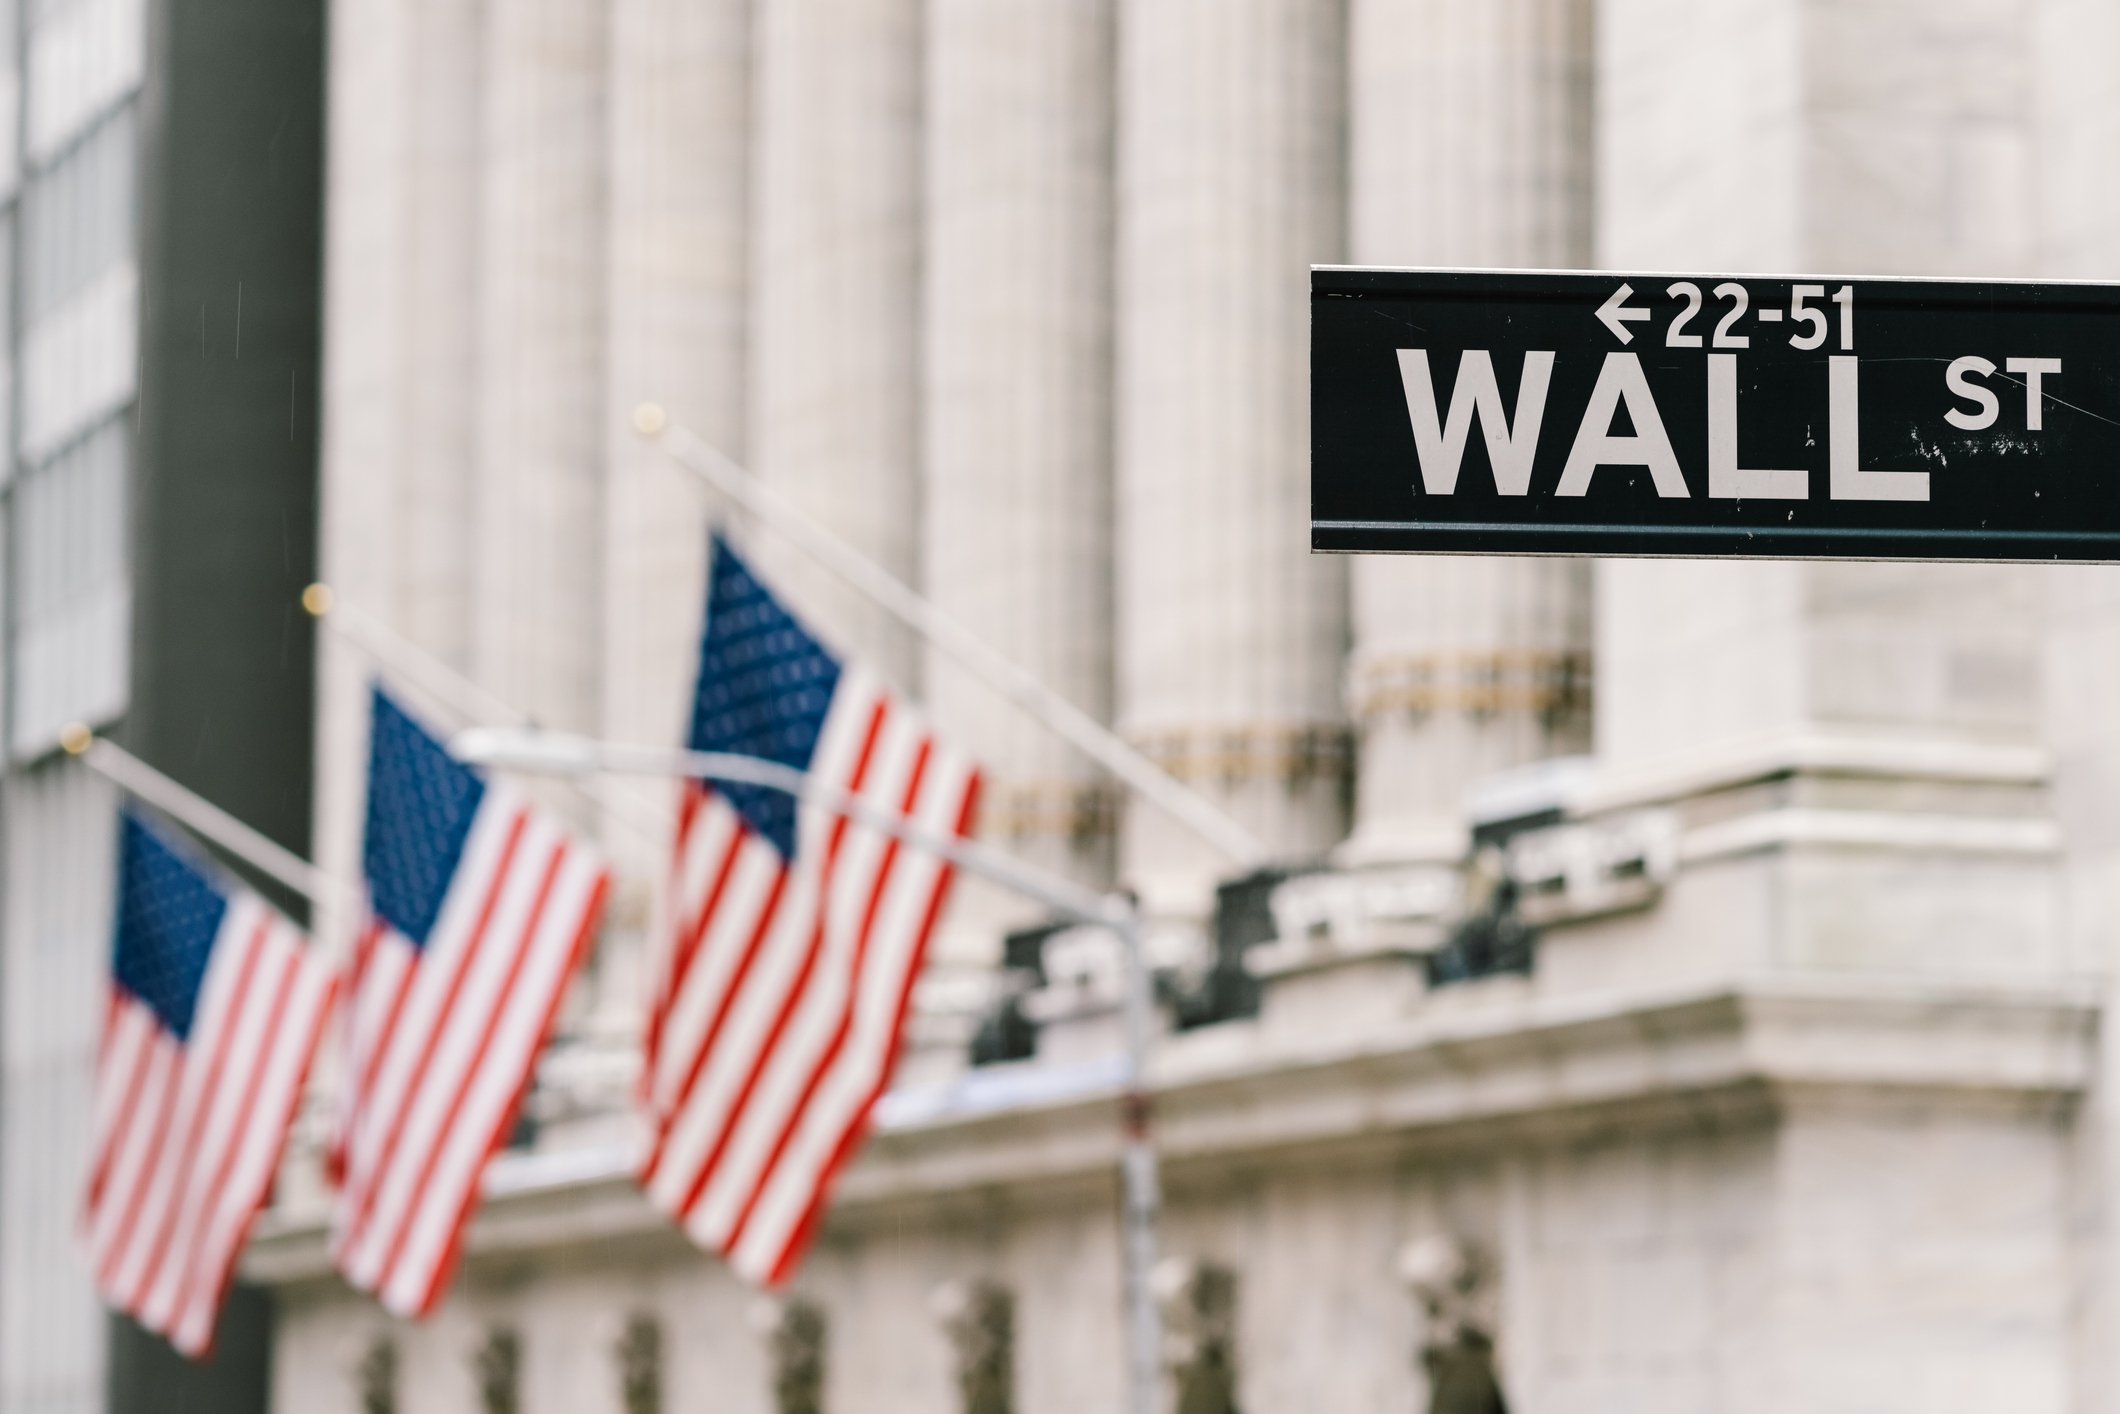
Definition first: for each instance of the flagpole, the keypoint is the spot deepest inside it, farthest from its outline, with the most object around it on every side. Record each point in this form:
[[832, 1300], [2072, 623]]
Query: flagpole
[[565, 754], [1060, 716], [1069, 722], [390, 650], [186, 806], [1140, 1182], [562, 754], [380, 643]]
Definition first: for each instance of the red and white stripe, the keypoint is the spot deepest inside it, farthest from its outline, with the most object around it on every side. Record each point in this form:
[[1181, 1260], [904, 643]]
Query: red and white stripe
[[188, 1134], [782, 991], [443, 1042]]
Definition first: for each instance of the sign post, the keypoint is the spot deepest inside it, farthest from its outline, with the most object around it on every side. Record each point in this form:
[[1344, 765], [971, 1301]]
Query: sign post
[[1495, 412]]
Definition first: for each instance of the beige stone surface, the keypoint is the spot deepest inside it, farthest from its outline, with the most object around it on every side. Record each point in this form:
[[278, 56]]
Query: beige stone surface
[[1757, 1197], [1469, 144], [835, 282], [677, 310], [1818, 1117], [61, 828], [1231, 183], [538, 502], [400, 405], [1016, 400]]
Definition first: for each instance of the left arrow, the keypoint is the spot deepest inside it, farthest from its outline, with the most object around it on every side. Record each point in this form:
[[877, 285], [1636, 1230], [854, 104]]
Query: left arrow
[[1617, 314]]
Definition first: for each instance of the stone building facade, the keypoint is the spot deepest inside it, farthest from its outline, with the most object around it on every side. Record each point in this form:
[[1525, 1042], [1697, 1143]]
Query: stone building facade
[[1801, 1104]]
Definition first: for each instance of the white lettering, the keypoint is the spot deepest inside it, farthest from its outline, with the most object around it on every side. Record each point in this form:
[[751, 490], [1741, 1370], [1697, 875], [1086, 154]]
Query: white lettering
[[1621, 380], [1959, 379], [1801, 313], [2033, 370], [1726, 478], [1740, 300], [1510, 446], [1674, 338], [1844, 445]]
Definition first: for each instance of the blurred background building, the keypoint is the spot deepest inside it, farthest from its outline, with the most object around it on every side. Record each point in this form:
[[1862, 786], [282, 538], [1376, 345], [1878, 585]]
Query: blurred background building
[[1682, 977], [161, 171]]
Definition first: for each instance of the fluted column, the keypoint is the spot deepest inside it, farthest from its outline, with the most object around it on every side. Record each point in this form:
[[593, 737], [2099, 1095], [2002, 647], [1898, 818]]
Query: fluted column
[[1899, 137], [1016, 399], [1470, 144], [539, 502], [1231, 633], [400, 367], [1809, 154], [439, 366], [835, 263], [679, 160]]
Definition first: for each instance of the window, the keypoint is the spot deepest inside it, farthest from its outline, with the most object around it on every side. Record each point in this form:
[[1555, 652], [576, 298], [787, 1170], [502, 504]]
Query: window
[[80, 289], [78, 216], [72, 607], [85, 57]]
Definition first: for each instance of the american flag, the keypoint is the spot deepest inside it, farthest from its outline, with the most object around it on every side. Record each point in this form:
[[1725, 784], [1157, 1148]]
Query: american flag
[[791, 937], [216, 1006], [480, 909]]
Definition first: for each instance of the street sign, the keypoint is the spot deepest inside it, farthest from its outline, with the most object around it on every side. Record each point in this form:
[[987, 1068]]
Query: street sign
[[1541, 413]]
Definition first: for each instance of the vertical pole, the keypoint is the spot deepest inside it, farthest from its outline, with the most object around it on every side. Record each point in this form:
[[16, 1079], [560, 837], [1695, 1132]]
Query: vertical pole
[[1141, 1185], [1070, 723], [187, 807], [561, 754], [389, 651]]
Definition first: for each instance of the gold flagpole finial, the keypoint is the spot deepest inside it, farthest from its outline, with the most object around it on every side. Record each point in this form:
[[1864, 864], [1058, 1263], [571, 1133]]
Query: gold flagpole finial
[[317, 599], [649, 420], [76, 737]]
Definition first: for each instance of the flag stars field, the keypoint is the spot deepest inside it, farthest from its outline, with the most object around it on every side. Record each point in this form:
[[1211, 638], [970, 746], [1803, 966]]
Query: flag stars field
[[790, 940], [217, 1005]]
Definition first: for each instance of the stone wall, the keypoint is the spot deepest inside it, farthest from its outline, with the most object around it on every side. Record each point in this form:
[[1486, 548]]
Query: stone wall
[[1838, 1259], [1800, 1106], [1765, 1198]]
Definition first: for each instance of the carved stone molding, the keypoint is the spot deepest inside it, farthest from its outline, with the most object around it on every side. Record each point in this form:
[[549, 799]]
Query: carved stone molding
[[638, 1354], [375, 1377], [795, 1330], [1199, 1301], [1079, 811], [1291, 753], [1454, 1282], [1549, 683], [1516, 1063], [497, 1366], [979, 1320]]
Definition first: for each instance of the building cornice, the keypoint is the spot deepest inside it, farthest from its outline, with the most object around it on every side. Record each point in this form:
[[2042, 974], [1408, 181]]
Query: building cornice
[[1726, 766], [1475, 1066]]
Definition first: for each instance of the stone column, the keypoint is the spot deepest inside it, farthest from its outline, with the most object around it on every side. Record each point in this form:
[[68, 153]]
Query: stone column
[[1470, 144], [55, 928], [1016, 407], [538, 522], [1230, 633], [400, 365], [836, 277], [1854, 749], [679, 163], [679, 237], [2077, 127], [1812, 157], [437, 373], [1766, 137], [2079, 123]]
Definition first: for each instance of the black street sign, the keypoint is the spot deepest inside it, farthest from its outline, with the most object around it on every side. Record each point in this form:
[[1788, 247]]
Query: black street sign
[[1621, 414]]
